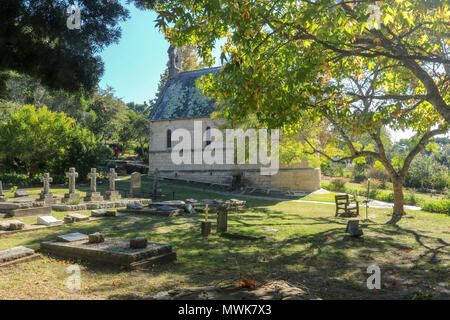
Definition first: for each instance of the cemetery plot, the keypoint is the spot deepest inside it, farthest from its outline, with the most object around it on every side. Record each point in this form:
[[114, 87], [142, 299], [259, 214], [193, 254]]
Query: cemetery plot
[[16, 255], [112, 251]]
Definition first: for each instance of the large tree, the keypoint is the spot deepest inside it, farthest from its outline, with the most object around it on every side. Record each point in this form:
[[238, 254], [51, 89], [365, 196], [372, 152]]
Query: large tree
[[407, 36], [286, 60], [35, 40]]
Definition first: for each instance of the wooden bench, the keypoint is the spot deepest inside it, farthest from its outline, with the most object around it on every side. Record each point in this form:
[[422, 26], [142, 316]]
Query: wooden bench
[[345, 207]]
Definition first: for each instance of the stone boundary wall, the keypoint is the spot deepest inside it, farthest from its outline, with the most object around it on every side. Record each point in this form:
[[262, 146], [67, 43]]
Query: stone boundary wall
[[287, 179]]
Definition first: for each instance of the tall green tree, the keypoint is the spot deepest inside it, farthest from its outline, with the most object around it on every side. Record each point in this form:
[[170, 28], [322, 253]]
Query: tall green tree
[[36, 140], [342, 62], [35, 40]]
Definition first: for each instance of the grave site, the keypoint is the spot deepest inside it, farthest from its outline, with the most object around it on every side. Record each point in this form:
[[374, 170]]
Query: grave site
[[206, 243], [224, 150]]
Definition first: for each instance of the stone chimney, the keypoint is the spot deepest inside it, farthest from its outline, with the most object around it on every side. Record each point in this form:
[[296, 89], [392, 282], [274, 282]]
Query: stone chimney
[[175, 61]]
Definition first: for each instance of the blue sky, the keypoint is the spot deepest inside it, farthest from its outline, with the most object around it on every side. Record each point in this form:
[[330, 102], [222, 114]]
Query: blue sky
[[134, 65]]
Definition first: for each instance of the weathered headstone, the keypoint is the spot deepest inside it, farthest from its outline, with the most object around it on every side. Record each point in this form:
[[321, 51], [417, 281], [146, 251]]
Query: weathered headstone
[[134, 205], [189, 208], [71, 175], [46, 195], [165, 208], [20, 193], [71, 237], [2, 196], [75, 217], [10, 225], [96, 237], [48, 221], [156, 192], [222, 220], [353, 228], [112, 194], [103, 213], [136, 186], [138, 243], [93, 195]]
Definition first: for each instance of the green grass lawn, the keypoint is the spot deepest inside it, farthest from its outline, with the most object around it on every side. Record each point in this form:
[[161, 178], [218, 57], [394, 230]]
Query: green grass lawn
[[307, 250]]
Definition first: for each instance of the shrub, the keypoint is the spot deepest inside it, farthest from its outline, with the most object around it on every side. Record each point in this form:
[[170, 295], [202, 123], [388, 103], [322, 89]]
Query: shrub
[[338, 184], [358, 171], [39, 140], [19, 179], [441, 206]]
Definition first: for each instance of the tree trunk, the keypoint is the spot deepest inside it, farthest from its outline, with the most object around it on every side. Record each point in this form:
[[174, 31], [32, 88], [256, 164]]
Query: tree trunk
[[399, 200]]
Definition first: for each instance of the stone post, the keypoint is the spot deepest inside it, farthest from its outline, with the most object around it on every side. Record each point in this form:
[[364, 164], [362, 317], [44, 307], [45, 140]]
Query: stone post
[[222, 219]]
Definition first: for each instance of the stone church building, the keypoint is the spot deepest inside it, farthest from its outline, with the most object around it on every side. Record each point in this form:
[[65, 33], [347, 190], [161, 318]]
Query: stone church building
[[179, 105]]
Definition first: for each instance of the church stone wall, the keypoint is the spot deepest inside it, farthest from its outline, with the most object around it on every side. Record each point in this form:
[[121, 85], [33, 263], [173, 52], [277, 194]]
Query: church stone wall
[[300, 177]]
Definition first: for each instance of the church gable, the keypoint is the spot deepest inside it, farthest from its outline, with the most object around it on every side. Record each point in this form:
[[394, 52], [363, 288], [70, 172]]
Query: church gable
[[181, 99]]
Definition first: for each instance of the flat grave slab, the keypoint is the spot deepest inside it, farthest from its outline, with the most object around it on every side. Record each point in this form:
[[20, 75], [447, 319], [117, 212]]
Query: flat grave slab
[[112, 251], [16, 255], [154, 211], [71, 237], [48, 221]]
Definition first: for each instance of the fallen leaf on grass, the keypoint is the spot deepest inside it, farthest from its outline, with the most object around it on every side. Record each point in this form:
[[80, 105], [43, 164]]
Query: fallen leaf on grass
[[247, 283]]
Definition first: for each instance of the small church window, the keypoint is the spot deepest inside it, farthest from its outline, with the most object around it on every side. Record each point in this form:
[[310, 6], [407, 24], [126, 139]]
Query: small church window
[[208, 136], [169, 139]]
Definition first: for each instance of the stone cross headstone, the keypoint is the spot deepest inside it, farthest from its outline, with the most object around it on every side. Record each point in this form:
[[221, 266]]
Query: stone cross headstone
[[93, 175], [46, 195], [46, 180], [93, 195], [71, 175], [2, 197], [136, 188], [112, 194], [222, 219]]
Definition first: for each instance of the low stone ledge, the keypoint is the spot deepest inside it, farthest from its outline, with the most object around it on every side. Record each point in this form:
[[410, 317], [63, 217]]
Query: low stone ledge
[[98, 205]]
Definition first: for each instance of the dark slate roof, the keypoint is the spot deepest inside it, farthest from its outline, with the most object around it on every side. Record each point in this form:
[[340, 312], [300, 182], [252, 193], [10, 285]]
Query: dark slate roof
[[181, 99]]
